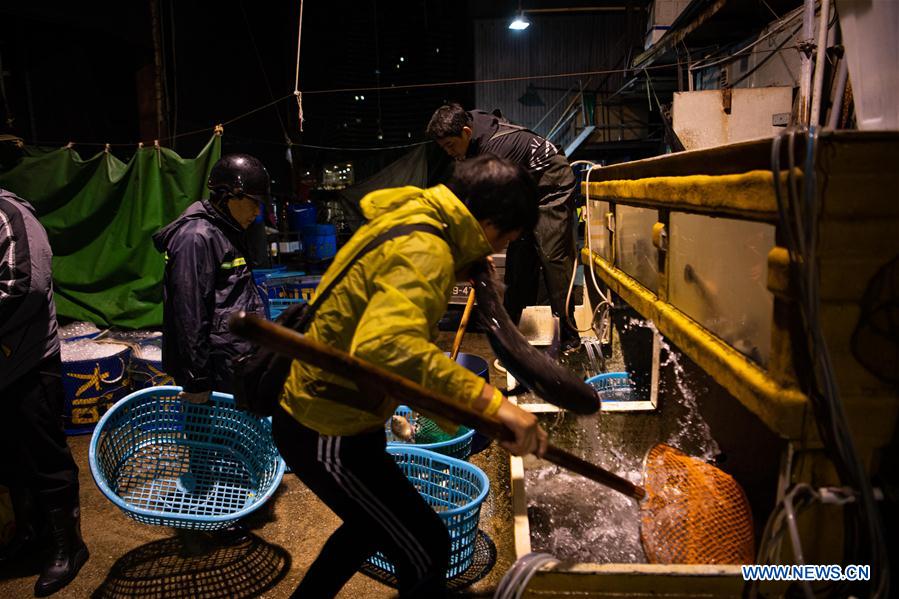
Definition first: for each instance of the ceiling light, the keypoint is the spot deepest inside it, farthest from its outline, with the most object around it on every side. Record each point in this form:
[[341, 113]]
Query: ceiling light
[[520, 22]]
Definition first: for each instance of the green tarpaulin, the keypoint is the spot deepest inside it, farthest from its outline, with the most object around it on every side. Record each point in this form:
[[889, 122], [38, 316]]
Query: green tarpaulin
[[100, 214]]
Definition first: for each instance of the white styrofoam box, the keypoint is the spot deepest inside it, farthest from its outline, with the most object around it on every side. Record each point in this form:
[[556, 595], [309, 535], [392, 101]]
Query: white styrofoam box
[[872, 49], [539, 326]]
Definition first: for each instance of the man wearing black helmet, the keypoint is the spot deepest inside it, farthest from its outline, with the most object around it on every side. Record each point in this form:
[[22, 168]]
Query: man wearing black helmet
[[207, 277]]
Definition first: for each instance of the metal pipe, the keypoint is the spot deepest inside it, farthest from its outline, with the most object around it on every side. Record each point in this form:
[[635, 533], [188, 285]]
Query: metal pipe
[[535, 11], [805, 43], [821, 58], [842, 77]]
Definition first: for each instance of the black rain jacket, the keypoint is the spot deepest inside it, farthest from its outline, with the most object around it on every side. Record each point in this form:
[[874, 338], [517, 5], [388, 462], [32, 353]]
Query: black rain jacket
[[207, 278], [28, 331], [492, 134]]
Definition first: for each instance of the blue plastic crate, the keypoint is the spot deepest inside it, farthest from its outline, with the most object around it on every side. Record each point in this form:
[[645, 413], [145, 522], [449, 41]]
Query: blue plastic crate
[[165, 461], [614, 386], [459, 446], [455, 489], [282, 289]]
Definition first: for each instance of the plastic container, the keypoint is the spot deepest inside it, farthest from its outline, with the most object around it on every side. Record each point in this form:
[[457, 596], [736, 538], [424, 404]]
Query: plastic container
[[614, 386], [319, 242], [92, 386], [456, 445], [146, 370], [480, 367], [301, 215], [455, 489], [259, 274], [168, 462], [280, 290], [78, 330]]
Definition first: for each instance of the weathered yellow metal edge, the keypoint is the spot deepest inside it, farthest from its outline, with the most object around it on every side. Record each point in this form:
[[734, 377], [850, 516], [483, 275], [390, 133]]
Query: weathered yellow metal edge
[[641, 580], [780, 408], [747, 196]]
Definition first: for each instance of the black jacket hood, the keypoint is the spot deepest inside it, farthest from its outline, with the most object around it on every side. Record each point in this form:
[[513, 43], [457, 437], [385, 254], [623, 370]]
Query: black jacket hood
[[198, 210]]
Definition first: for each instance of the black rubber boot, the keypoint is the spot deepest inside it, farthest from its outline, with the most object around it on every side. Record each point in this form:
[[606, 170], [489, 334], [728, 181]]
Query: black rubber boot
[[25, 542], [68, 552]]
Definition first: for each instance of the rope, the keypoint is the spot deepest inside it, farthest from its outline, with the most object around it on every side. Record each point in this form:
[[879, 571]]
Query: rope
[[298, 95], [478, 81], [296, 81]]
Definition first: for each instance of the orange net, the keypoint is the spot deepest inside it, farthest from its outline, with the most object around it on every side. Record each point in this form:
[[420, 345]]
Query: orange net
[[693, 513]]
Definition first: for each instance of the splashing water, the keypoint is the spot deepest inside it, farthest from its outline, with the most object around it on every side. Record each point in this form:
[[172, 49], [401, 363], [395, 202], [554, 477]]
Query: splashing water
[[602, 529], [693, 434], [576, 519]]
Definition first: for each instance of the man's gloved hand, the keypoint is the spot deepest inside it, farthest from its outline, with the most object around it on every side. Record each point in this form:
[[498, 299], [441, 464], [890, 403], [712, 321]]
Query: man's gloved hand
[[529, 435], [200, 397]]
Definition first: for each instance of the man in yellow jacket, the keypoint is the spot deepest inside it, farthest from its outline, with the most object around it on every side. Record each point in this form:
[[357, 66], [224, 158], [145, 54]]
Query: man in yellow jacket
[[385, 310]]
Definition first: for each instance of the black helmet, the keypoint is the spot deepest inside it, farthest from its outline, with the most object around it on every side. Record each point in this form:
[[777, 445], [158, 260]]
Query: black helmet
[[238, 175]]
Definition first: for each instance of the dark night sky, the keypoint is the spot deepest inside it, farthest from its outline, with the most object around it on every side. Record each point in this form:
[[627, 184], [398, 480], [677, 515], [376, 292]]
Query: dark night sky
[[72, 71]]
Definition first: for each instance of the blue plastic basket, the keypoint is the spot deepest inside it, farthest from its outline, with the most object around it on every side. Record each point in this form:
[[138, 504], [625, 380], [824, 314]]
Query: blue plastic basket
[[614, 386], [458, 447], [455, 489], [174, 463], [286, 288]]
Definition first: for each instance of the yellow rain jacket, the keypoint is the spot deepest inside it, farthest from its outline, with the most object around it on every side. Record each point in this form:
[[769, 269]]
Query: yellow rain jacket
[[386, 308]]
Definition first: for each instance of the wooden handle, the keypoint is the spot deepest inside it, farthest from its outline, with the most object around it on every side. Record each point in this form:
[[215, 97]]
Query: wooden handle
[[463, 324], [290, 343]]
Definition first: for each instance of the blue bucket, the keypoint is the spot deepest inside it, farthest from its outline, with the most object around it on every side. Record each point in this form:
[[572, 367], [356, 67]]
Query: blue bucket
[[92, 386], [300, 215], [480, 367], [319, 242], [145, 371]]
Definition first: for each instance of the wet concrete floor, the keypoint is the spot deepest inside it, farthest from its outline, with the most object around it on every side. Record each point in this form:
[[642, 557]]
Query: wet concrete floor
[[129, 559]]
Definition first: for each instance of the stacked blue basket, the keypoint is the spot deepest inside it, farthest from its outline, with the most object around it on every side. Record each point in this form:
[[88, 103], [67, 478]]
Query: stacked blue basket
[[458, 446], [285, 288], [456, 490], [165, 461]]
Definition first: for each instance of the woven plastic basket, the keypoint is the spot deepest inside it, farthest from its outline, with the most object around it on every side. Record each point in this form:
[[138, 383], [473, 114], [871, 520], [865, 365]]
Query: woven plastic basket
[[282, 289], [431, 437], [455, 489], [174, 463], [614, 386]]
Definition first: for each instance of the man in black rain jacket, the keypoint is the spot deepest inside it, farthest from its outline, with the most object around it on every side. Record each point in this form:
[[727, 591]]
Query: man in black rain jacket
[[207, 277], [550, 249]]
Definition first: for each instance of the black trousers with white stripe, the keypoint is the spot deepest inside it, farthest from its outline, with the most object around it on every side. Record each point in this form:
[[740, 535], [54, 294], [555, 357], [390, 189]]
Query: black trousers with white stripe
[[381, 511]]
